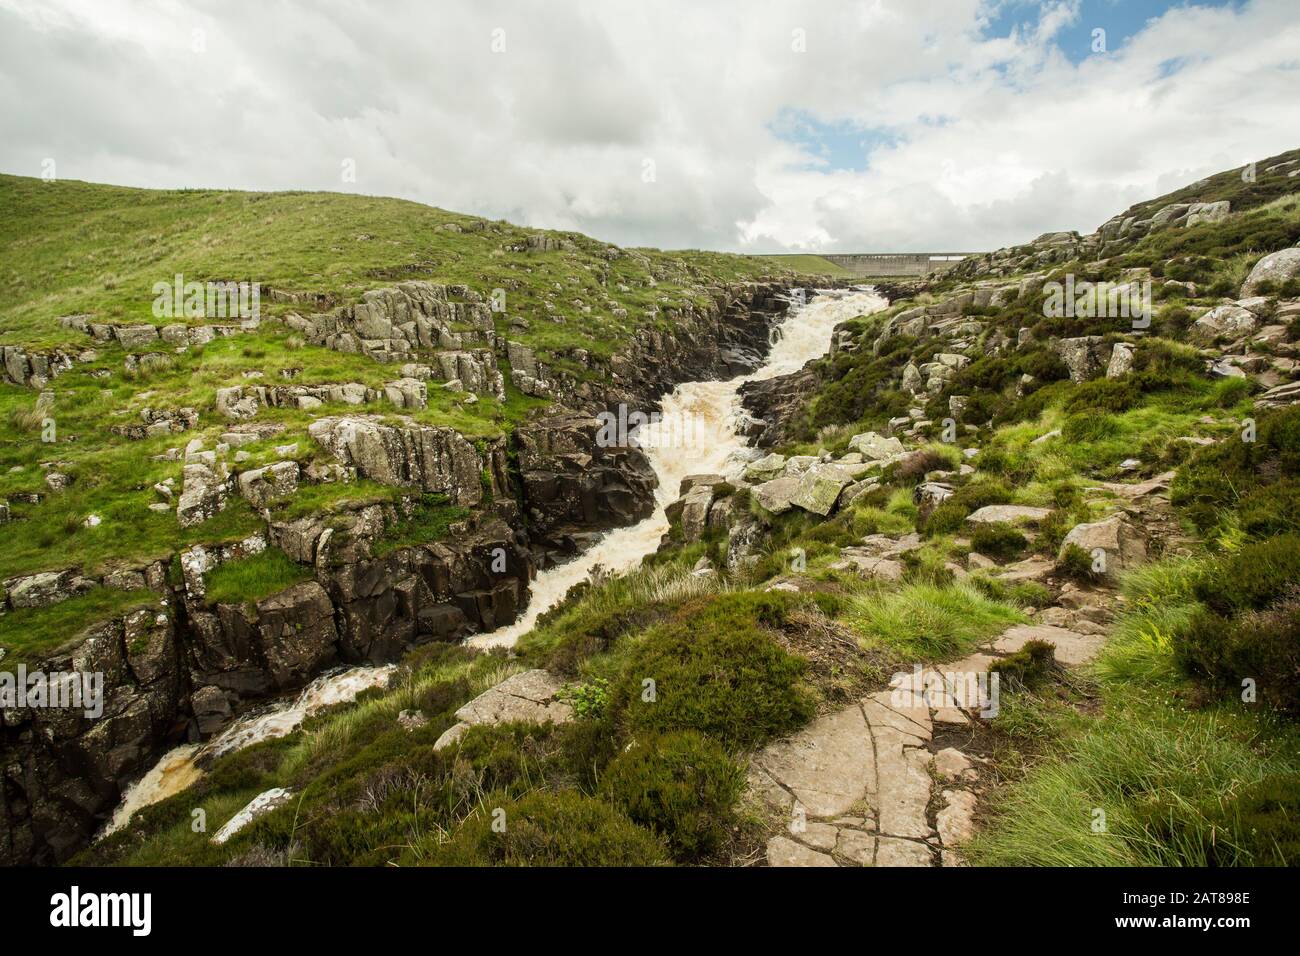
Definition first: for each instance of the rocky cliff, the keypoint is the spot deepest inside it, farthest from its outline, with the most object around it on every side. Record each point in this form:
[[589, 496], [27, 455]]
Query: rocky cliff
[[182, 667]]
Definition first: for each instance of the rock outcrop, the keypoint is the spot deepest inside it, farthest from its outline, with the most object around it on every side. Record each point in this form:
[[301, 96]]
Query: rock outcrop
[[410, 455], [575, 483]]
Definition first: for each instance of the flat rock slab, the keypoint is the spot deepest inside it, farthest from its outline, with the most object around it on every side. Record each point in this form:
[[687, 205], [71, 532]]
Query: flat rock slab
[[1010, 514], [871, 566], [859, 775], [828, 766], [1030, 569], [530, 697], [1072, 648], [894, 852], [904, 790], [782, 851]]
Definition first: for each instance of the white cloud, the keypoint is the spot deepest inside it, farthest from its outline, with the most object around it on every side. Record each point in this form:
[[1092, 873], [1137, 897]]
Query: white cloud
[[998, 139]]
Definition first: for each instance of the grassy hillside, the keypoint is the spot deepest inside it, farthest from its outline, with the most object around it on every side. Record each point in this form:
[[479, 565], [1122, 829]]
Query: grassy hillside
[[809, 263], [1246, 187], [80, 248], [1155, 731], [73, 247]]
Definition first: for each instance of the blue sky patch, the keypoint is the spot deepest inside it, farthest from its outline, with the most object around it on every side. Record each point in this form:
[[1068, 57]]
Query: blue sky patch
[[1121, 19], [841, 145]]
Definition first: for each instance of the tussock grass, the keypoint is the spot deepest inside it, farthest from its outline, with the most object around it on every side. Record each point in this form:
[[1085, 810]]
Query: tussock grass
[[251, 579], [612, 605], [929, 621], [1157, 772], [1160, 605]]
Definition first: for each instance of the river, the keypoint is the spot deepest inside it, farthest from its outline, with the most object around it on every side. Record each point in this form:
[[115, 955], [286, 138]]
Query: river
[[695, 434]]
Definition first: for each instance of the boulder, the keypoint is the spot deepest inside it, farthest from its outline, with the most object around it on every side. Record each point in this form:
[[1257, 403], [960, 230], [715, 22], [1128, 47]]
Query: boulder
[[870, 565], [1227, 321], [132, 337], [692, 510], [691, 482], [1124, 545], [259, 806], [204, 492], [261, 486], [928, 494], [406, 393], [45, 588], [1276, 267], [1207, 212], [530, 697], [819, 488], [1121, 360], [236, 403], [766, 468], [874, 447], [1008, 514], [775, 495], [1082, 356]]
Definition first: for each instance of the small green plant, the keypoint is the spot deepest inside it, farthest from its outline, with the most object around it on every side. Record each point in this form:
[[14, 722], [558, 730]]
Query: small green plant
[[589, 700], [1028, 667]]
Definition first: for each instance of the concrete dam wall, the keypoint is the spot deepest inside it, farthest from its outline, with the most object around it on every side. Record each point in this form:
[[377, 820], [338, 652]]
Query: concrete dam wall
[[896, 263]]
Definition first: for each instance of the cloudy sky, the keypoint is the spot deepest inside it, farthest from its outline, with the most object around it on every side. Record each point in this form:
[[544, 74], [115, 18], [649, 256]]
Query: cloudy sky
[[820, 125]]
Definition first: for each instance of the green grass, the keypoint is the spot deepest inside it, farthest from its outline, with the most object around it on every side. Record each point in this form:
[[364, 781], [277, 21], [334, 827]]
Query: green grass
[[29, 632], [251, 579], [76, 248], [811, 265], [1165, 776], [1146, 764], [430, 521], [928, 621]]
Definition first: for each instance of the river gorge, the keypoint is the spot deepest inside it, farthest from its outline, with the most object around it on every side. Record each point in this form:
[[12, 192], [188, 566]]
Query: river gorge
[[695, 431]]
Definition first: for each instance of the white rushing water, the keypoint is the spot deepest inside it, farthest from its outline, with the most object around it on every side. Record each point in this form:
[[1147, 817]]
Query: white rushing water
[[178, 768], [696, 435], [706, 415]]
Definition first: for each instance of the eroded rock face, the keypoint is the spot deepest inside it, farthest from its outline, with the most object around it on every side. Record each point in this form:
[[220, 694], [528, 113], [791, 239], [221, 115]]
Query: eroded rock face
[[574, 480], [297, 633], [65, 771], [432, 458]]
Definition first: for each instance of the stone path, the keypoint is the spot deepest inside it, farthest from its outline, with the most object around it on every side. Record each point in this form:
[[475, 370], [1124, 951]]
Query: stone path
[[867, 786]]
